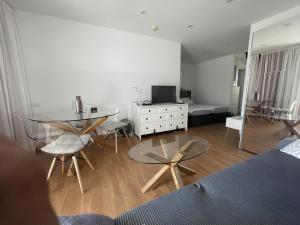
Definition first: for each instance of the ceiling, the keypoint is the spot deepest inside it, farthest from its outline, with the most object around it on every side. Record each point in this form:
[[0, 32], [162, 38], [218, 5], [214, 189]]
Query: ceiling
[[281, 35], [220, 28]]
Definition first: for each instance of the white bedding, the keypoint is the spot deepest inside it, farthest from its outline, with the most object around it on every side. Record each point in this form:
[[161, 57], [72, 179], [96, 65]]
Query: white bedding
[[201, 109]]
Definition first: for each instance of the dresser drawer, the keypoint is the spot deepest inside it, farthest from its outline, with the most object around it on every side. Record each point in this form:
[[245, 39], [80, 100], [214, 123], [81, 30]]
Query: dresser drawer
[[176, 115], [182, 123], [164, 109], [160, 126], [150, 128], [149, 110], [181, 108], [153, 118], [147, 128], [176, 124]]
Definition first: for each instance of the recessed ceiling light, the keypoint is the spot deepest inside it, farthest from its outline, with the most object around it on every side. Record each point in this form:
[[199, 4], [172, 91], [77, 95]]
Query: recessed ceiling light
[[143, 12], [229, 1], [155, 27], [190, 26]]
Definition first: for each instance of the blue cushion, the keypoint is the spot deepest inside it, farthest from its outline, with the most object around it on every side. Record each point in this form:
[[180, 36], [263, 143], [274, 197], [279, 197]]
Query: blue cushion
[[89, 219], [285, 142]]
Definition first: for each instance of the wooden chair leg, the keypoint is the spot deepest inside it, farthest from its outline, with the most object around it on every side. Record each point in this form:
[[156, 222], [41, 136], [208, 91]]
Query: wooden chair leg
[[70, 170], [63, 164], [116, 141], [126, 135], [101, 145], [78, 173], [87, 160], [35, 149], [51, 168]]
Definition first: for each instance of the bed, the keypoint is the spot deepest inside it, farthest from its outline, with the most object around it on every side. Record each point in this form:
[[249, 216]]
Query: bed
[[201, 114]]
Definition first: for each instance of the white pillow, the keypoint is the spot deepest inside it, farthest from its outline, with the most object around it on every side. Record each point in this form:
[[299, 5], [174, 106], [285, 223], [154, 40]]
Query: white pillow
[[185, 100], [191, 102], [293, 149]]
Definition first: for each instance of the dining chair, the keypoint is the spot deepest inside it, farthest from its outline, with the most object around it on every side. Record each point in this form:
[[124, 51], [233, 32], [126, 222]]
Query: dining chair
[[30, 129], [34, 132], [69, 146], [114, 126], [293, 109]]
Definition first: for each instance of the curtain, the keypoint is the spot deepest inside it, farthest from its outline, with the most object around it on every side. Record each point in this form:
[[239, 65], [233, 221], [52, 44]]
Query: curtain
[[275, 77], [14, 96], [289, 81]]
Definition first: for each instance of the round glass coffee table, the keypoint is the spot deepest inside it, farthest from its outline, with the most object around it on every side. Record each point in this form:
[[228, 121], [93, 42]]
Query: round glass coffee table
[[170, 151]]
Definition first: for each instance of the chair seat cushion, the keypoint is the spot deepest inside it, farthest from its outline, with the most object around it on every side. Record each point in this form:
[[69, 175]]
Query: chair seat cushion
[[112, 125], [67, 144], [90, 219]]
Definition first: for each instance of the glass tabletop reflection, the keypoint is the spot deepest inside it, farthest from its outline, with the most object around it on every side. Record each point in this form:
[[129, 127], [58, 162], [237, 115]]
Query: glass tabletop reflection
[[170, 149], [70, 115]]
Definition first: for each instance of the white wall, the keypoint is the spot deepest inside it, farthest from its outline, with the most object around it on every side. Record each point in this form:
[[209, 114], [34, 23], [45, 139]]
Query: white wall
[[214, 81], [65, 58], [188, 77]]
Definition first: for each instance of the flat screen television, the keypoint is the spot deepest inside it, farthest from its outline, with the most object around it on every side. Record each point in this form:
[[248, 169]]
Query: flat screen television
[[163, 94]]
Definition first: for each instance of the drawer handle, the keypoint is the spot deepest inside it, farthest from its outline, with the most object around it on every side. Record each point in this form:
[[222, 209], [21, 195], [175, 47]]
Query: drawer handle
[[146, 118], [182, 123], [171, 116], [180, 108], [171, 125], [160, 117], [166, 109], [160, 126], [149, 110], [182, 114], [147, 128]]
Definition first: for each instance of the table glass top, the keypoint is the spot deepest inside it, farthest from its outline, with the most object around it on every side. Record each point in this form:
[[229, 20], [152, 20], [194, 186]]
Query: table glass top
[[170, 149], [70, 115]]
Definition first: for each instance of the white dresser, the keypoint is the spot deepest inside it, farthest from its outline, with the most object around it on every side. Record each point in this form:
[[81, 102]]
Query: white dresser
[[159, 118]]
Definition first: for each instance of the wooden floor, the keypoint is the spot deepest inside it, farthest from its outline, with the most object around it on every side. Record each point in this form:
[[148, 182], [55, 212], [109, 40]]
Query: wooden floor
[[261, 135], [114, 187]]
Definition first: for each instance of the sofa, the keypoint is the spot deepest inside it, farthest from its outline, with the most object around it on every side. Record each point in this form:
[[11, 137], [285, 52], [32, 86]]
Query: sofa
[[262, 190]]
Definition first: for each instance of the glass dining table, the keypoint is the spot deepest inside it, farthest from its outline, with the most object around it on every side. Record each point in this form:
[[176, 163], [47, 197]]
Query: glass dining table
[[290, 120], [71, 116], [76, 123], [79, 123]]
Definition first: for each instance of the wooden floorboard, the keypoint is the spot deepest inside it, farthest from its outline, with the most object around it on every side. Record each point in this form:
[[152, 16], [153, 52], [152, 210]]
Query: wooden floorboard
[[261, 135], [115, 185]]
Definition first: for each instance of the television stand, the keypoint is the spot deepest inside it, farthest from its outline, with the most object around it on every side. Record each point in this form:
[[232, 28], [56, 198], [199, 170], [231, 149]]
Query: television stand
[[159, 118]]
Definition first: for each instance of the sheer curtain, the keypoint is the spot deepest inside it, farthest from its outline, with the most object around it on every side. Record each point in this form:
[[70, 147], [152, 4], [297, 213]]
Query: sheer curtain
[[14, 96], [275, 76], [289, 81]]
